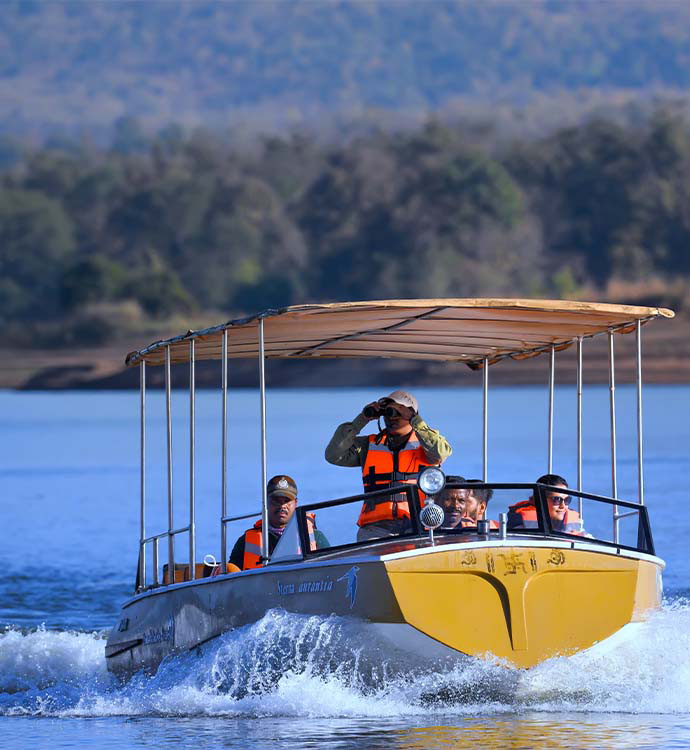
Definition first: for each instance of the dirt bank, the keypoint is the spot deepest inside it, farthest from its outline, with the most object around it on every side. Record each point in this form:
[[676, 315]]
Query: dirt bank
[[666, 349]]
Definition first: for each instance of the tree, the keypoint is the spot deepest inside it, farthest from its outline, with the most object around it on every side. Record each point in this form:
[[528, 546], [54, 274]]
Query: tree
[[35, 241], [92, 279]]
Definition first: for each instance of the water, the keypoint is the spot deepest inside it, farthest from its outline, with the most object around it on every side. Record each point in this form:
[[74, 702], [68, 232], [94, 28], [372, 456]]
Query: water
[[69, 478]]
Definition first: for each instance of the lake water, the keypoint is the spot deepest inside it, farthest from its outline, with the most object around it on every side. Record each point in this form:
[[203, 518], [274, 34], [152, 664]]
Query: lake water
[[70, 484]]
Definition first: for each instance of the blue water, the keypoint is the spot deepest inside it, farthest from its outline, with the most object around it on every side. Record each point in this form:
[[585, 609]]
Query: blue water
[[70, 490]]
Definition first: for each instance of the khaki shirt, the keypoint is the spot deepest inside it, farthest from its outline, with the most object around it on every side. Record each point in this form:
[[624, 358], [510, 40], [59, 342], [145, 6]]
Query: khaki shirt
[[347, 448]]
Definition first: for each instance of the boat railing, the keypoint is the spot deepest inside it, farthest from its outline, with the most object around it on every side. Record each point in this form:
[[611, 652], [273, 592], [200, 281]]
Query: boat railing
[[154, 540], [411, 498], [230, 519], [594, 518], [644, 542], [589, 504]]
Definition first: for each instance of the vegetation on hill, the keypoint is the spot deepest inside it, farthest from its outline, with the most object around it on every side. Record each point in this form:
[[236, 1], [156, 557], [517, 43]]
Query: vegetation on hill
[[80, 65], [95, 240]]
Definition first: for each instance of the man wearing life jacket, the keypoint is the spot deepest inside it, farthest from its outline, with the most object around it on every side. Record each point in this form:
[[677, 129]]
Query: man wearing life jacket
[[391, 458], [524, 515], [282, 501], [464, 507]]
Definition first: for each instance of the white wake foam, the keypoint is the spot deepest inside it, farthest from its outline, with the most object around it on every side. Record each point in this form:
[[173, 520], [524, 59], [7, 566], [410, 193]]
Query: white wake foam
[[289, 665], [41, 658]]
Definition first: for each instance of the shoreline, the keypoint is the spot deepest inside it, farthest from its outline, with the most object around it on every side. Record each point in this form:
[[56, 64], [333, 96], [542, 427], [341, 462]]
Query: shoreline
[[90, 374], [665, 359]]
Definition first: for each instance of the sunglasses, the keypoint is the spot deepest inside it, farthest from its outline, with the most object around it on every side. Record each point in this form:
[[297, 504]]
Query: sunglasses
[[558, 500]]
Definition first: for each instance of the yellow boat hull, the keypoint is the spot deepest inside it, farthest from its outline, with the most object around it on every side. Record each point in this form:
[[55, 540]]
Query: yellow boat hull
[[523, 604]]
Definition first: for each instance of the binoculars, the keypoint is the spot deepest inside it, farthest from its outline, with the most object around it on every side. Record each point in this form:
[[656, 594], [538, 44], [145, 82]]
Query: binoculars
[[380, 411]]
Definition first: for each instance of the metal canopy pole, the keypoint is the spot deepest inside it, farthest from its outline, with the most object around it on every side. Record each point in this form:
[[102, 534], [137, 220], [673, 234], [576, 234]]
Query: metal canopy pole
[[579, 423], [640, 472], [552, 368], [262, 398], [192, 520], [142, 477], [612, 405], [171, 537], [485, 447], [224, 451]]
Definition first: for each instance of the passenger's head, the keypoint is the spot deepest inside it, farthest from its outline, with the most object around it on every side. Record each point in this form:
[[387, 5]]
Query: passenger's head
[[282, 500], [477, 500], [556, 502], [453, 502], [405, 407]]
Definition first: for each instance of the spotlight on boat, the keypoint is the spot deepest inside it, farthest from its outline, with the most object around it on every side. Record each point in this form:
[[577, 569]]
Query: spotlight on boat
[[431, 480]]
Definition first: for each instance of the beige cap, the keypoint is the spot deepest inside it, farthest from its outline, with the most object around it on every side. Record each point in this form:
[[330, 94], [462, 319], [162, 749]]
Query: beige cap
[[404, 399]]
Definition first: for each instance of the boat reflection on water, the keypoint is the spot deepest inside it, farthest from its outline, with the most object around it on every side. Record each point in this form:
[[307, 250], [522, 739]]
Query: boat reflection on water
[[526, 732]]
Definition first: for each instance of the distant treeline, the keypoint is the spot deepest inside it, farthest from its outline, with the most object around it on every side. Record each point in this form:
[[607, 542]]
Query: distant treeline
[[93, 239]]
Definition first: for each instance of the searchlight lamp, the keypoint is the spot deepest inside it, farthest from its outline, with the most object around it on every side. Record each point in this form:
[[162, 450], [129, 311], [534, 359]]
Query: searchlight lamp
[[431, 480]]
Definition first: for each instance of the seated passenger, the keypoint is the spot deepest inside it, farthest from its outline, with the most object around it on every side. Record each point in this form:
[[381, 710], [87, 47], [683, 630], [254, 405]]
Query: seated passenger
[[464, 507], [476, 502], [453, 503], [524, 515], [282, 501]]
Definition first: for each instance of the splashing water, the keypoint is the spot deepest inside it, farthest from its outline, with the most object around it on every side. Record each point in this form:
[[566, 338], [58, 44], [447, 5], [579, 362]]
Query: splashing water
[[291, 665]]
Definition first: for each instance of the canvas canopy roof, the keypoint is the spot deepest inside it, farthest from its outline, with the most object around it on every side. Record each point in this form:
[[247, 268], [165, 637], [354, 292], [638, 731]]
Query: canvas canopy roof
[[456, 330]]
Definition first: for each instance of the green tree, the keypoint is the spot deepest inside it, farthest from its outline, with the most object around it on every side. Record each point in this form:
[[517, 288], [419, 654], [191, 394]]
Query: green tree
[[157, 288], [35, 241], [92, 279]]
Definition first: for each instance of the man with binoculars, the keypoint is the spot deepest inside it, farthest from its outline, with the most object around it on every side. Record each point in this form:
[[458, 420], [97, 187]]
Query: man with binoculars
[[390, 458]]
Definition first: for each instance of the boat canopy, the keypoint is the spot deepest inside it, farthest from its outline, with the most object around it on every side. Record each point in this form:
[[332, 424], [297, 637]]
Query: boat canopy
[[456, 330]]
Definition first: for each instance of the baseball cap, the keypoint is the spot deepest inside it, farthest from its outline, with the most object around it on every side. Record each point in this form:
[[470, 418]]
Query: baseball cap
[[282, 485], [404, 399]]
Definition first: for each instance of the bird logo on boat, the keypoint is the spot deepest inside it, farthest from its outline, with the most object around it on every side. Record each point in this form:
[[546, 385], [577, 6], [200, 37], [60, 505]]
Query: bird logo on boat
[[351, 578]]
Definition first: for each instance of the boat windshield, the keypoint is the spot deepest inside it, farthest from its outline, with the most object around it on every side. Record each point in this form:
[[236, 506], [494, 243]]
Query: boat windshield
[[288, 547]]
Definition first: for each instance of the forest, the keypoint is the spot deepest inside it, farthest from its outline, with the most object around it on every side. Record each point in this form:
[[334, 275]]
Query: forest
[[96, 240]]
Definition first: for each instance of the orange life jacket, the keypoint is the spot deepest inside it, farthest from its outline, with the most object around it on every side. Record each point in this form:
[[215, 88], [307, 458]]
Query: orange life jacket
[[523, 516], [466, 522], [385, 468], [252, 542], [527, 518], [572, 523]]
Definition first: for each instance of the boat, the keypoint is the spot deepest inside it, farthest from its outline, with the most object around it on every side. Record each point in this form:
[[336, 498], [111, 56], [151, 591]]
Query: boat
[[484, 590]]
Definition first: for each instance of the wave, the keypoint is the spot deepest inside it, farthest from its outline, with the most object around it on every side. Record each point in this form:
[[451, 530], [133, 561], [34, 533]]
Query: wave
[[327, 667]]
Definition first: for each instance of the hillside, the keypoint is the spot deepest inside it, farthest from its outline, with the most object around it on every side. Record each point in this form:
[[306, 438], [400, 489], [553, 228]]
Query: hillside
[[79, 66]]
